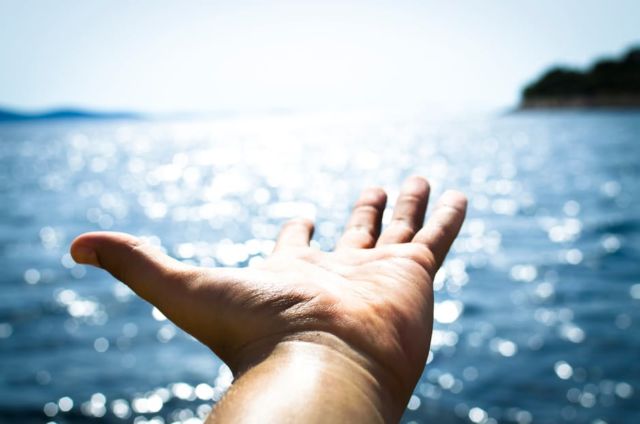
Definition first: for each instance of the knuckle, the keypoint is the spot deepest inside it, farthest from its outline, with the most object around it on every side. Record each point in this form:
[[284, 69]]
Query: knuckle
[[453, 209], [135, 243], [361, 229], [446, 231], [363, 234], [422, 255], [401, 229], [426, 258], [412, 197], [365, 209]]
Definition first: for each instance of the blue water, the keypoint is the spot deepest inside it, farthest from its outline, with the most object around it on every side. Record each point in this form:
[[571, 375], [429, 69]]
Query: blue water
[[537, 313]]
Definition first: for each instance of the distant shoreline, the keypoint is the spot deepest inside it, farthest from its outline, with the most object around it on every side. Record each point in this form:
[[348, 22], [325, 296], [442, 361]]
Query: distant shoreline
[[7, 115]]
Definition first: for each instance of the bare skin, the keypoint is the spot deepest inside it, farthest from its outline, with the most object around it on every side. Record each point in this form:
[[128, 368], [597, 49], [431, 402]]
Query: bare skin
[[310, 336]]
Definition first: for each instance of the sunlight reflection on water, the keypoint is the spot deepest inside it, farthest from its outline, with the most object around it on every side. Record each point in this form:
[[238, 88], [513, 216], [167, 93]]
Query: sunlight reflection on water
[[534, 309]]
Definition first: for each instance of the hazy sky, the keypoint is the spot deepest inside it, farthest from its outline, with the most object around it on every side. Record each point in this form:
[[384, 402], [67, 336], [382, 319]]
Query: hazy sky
[[160, 56]]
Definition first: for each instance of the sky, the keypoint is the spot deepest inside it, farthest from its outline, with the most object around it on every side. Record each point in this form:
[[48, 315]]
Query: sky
[[162, 56]]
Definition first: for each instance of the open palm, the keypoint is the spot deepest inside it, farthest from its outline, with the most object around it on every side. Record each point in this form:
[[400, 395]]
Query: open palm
[[373, 292]]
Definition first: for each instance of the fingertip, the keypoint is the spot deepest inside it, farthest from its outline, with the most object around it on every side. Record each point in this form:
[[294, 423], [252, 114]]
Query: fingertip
[[83, 254], [416, 183], [296, 232], [373, 196], [454, 199], [82, 251], [84, 248]]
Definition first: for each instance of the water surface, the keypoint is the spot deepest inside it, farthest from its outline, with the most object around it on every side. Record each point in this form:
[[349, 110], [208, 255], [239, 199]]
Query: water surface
[[537, 306]]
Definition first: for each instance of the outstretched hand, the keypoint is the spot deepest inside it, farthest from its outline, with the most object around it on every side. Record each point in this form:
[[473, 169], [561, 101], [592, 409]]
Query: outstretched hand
[[368, 303]]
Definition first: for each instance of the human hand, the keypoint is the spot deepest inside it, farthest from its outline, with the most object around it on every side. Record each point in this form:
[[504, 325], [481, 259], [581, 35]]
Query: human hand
[[367, 306]]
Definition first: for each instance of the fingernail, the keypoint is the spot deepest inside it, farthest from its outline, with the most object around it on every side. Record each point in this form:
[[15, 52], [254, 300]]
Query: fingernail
[[85, 255]]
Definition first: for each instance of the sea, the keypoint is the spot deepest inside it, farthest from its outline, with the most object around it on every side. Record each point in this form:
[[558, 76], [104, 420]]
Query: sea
[[537, 315]]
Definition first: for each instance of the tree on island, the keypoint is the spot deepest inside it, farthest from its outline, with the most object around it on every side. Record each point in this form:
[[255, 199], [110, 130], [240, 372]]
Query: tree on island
[[608, 83]]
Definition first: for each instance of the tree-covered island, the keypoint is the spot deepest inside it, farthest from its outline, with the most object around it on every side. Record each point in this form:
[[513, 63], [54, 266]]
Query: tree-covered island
[[608, 83]]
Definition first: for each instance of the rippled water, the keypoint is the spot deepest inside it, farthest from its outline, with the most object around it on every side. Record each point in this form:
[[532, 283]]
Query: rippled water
[[537, 312]]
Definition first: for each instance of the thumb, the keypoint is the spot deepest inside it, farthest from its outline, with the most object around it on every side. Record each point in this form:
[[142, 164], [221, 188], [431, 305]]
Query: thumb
[[150, 273]]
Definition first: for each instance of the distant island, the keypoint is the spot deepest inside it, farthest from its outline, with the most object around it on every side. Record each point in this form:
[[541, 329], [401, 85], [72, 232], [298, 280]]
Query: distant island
[[7, 115], [609, 83]]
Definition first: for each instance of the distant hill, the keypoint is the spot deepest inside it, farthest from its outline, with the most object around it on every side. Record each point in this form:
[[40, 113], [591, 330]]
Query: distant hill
[[63, 114], [608, 83]]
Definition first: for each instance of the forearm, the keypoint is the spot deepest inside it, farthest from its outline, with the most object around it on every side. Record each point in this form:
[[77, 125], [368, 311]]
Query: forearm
[[307, 381]]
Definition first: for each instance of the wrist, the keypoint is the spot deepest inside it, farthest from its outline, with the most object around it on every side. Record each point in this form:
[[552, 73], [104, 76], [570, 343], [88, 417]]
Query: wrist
[[323, 370]]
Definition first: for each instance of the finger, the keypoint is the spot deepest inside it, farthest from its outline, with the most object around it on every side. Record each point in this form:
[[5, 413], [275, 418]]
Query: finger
[[295, 233], [443, 225], [408, 213], [365, 222], [150, 273]]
